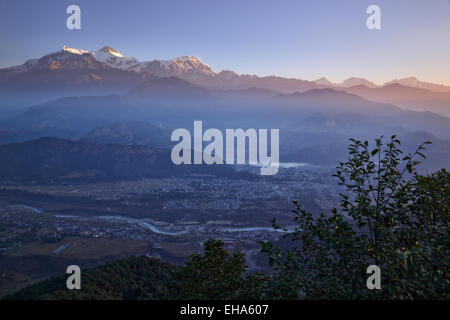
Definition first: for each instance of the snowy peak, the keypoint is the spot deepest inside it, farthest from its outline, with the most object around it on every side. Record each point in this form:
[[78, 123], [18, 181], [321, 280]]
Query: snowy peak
[[190, 63], [186, 67], [66, 59], [107, 51], [190, 60], [74, 50], [111, 51], [114, 58], [182, 66], [191, 68]]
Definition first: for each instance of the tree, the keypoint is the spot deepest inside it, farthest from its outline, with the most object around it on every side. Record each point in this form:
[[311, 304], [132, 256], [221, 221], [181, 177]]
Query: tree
[[389, 216], [217, 274], [214, 275]]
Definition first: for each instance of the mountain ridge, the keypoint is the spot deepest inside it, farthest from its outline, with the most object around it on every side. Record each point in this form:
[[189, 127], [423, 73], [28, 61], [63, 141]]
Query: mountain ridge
[[193, 69], [78, 72]]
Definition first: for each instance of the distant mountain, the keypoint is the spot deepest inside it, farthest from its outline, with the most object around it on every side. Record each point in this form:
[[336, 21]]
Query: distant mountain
[[412, 82], [350, 82], [252, 93], [183, 67], [324, 82], [176, 103], [406, 97], [171, 86], [107, 70], [329, 153], [416, 83], [53, 159], [337, 122], [65, 73], [180, 89], [75, 72], [192, 69], [130, 132], [231, 80], [67, 67], [152, 101], [337, 100], [186, 67], [110, 57]]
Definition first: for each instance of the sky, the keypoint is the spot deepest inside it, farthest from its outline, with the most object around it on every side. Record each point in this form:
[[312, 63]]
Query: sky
[[303, 39]]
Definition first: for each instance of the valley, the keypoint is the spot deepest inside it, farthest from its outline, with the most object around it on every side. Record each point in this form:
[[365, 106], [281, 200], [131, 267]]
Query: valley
[[167, 218]]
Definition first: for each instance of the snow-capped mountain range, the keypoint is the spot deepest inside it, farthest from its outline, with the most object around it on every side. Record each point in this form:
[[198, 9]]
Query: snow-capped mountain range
[[78, 58], [194, 70], [175, 67], [76, 72]]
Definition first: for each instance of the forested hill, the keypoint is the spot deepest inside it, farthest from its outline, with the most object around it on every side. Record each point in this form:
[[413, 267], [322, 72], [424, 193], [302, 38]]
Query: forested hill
[[133, 278]]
